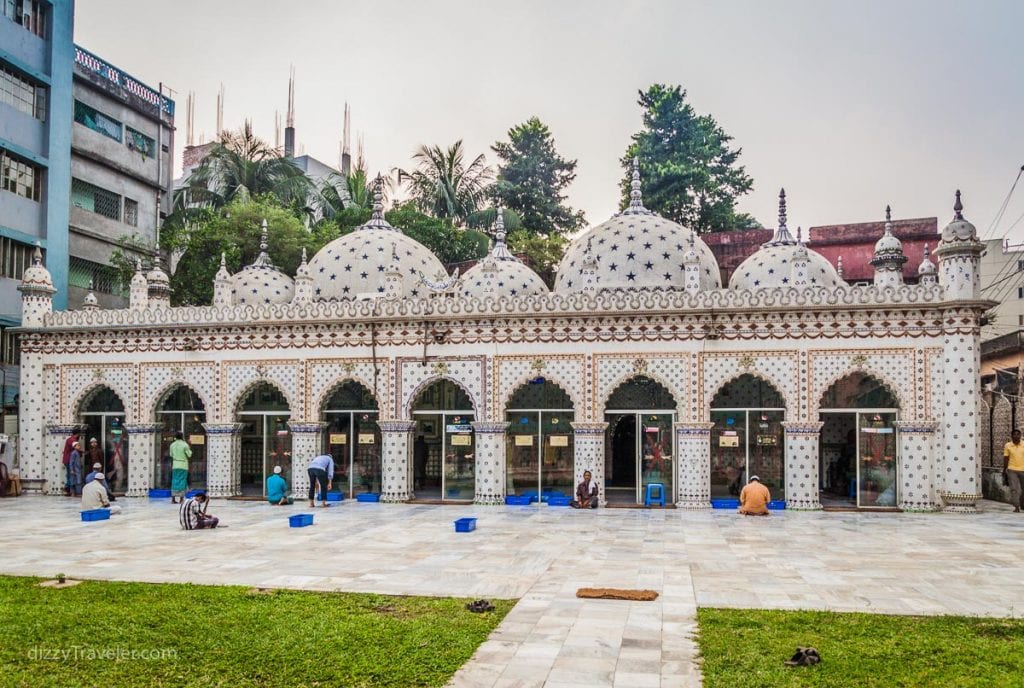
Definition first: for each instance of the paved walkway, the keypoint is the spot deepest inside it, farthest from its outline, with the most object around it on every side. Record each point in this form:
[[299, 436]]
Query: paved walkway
[[892, 563]]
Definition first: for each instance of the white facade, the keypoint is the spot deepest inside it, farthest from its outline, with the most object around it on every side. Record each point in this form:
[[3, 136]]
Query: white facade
[[918, 342]]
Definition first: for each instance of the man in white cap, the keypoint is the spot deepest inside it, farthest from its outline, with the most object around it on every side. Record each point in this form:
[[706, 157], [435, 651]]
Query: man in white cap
[[94, 496], [754, 498], [97, 469], [277, 489]]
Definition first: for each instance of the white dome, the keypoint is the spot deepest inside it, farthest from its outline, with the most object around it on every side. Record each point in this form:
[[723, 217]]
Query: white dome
[[36, 275], [927, 267], [356, 263], [959, 229], [637, 250], [500, 273], [259, 283], [888, 244]]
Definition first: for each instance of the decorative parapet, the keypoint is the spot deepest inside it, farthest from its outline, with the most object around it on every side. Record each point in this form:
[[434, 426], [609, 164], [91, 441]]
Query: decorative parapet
[[916, 426], [589, 428], [306, 427], [486, 427], [802, 427], [394, 425]]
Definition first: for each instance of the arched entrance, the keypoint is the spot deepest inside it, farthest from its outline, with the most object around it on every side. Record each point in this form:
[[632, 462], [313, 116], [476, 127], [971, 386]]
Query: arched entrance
[[101, 414], [747, 437], [639, 446], [266, 440], [352, 437], [181, 411], [858, 443], [443, 465], [539, 452]]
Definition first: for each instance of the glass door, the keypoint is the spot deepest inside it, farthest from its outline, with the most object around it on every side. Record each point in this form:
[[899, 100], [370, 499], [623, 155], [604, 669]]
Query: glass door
[[459, 457], [110, 450], [876, 459], [765, 449], [539, 451], [190, 424], [556, 450], [443, 456], [638, 451], [266, 442], [655, 453], [728, 453], [353, 441]]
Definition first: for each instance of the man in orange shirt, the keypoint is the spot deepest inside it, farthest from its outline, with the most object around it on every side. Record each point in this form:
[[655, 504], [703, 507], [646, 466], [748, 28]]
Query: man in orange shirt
[[755, 497], [1013, 469]]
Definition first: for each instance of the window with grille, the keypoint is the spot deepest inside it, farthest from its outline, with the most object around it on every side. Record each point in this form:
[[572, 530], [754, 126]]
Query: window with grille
[[92, 118], [15, 257], [86, 274], [31, 14], [10, 351], [131, 212], [22, 93], [19, 176], [138, 141], [1020, 292], [94, 199]]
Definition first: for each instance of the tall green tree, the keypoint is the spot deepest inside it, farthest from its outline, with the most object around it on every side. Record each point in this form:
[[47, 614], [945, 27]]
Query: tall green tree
[[689, 172], [443, 185], [532, 178]]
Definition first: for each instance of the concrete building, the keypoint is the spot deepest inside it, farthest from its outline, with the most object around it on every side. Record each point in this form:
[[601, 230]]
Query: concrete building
[[1002, 280], [36, 53], [121, 173]]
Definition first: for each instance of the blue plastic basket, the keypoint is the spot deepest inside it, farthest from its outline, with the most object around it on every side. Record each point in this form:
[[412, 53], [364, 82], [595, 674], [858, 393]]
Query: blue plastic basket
[[368, 497], [465, 525], [159, 494], [96, 514], [532, 494], [517, 500], [335, 497], [559, 501], [725, 504], [300, 520], [777, 504]]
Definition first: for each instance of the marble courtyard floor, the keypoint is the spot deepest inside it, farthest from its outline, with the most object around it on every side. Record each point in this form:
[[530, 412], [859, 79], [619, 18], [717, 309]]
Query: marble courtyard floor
[[884, 563]]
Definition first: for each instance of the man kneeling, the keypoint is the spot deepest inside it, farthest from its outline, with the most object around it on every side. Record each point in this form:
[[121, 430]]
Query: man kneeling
[[94, 496], [754, 498], [193, 514]]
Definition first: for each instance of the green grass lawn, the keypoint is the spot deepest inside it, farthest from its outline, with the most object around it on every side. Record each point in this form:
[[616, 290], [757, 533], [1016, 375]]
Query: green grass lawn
[[231, 636], [743, 647]]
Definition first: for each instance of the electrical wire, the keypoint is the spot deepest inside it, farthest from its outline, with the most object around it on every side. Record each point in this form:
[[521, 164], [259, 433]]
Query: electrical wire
[[1008, 267]]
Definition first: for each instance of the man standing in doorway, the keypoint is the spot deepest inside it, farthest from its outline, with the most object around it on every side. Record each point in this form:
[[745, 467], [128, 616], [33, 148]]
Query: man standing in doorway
[[180, 454], [321, 471], [1013, 469]]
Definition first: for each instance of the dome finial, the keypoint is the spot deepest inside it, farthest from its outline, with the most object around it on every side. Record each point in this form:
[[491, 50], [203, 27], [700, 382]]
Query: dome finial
[[839, 266], [263, 236], [926, 251], [888, 217], [303, 254], [499, 226], [958, 207], [782, 208], [378, 198], [782, 237], [636, 201], [37, 256], [223, 260]]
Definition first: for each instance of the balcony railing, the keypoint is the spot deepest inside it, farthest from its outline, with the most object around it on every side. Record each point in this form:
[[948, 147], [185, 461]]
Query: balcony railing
[[96, 65]]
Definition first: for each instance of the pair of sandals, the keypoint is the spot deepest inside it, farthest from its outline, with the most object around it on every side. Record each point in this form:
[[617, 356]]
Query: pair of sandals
[[804, 656], [480, 606]]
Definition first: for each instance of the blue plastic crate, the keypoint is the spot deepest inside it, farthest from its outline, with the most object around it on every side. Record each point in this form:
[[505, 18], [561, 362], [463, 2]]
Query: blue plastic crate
[[777, 504], [532, 494], [517, 500], [725, 504], [559, 501], [96, 514], [464, 525], [300, 520], [368, 497], [335, 497], [159, 494]]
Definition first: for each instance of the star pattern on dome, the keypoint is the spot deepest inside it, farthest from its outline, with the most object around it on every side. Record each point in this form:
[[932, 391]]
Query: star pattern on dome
[[500, 273]]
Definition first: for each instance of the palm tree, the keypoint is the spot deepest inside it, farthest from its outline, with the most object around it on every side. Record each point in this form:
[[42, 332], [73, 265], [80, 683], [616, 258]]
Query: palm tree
[[443, 186], [242, 165]]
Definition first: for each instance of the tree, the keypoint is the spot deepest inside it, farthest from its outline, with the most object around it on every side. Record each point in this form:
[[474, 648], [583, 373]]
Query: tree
[[233, 230], [532, 178], [442, 184], [446, 241], [689, 173], [242, 166], [543, 253]]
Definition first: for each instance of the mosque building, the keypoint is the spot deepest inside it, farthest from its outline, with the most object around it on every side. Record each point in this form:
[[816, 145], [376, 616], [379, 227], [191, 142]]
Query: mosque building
[[640, 366]]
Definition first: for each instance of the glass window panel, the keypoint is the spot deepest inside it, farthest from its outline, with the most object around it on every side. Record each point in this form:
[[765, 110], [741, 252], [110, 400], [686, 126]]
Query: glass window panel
[[522, 452], [137, 141], [366, 466], [92, 118], [459, 459], [766, 450], [728, 453], [877, 449], [557, 453], [338, 444]]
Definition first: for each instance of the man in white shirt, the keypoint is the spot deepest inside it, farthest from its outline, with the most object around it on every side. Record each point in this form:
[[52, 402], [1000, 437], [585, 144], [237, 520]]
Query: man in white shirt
[[94, 496]]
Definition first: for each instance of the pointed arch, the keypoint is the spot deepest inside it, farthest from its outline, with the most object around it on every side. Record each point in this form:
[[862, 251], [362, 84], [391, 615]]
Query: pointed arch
[[506, 402], [767, 379], [630, 377], [333, 386], [91, 389], [906, 406], [164, 392], [236, 404], [425, 384]]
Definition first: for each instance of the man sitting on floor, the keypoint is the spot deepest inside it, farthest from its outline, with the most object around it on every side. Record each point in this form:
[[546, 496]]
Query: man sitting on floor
[[94, 496], [754, 498], [586, 493], [97, 469], [193, 514], [277, 489]]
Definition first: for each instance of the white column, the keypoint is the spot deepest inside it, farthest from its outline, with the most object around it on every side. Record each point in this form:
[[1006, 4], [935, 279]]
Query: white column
[[34, 456], [490, 462], [916, 474], [959, 466], [141, 457], [802, 459], [588, 443], [396, 459], [223, 459], [693, 465], [307, 443], [52, 467]]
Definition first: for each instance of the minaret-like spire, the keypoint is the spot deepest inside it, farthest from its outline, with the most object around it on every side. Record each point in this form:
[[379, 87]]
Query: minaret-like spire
[[888, 259], [500, 250], [839, 266], [636, 200], [958, 207], [304, 288], [888, 220], [782, 207], [782, 237], [263, 258]]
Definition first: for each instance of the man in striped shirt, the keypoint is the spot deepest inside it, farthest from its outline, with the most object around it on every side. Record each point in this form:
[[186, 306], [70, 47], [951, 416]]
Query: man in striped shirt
[[192, 513]]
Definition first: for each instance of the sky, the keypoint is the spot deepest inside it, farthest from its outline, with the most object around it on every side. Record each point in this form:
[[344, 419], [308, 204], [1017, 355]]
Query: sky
[[848, 105]]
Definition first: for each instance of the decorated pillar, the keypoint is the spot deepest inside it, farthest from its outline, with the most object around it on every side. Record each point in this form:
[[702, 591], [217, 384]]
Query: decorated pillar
[[693, 465], [307, 443], [588, 441], [141, 457], [490, 462], [802, 460], [52, 468], [396, 459], [223, 459], [917, 474]]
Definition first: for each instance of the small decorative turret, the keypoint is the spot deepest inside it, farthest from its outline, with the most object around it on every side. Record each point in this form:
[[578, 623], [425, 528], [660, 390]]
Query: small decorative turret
[[888, 259], [782, 237], [36, 292], [691, 267], [90, 302], [393, 276], [304, 287], [636, 198], [839, 266], [588, 270], [138, 293], [159, 285], [377, 220], [927, 273], [959, 255], [222, 284], [800, 268]]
